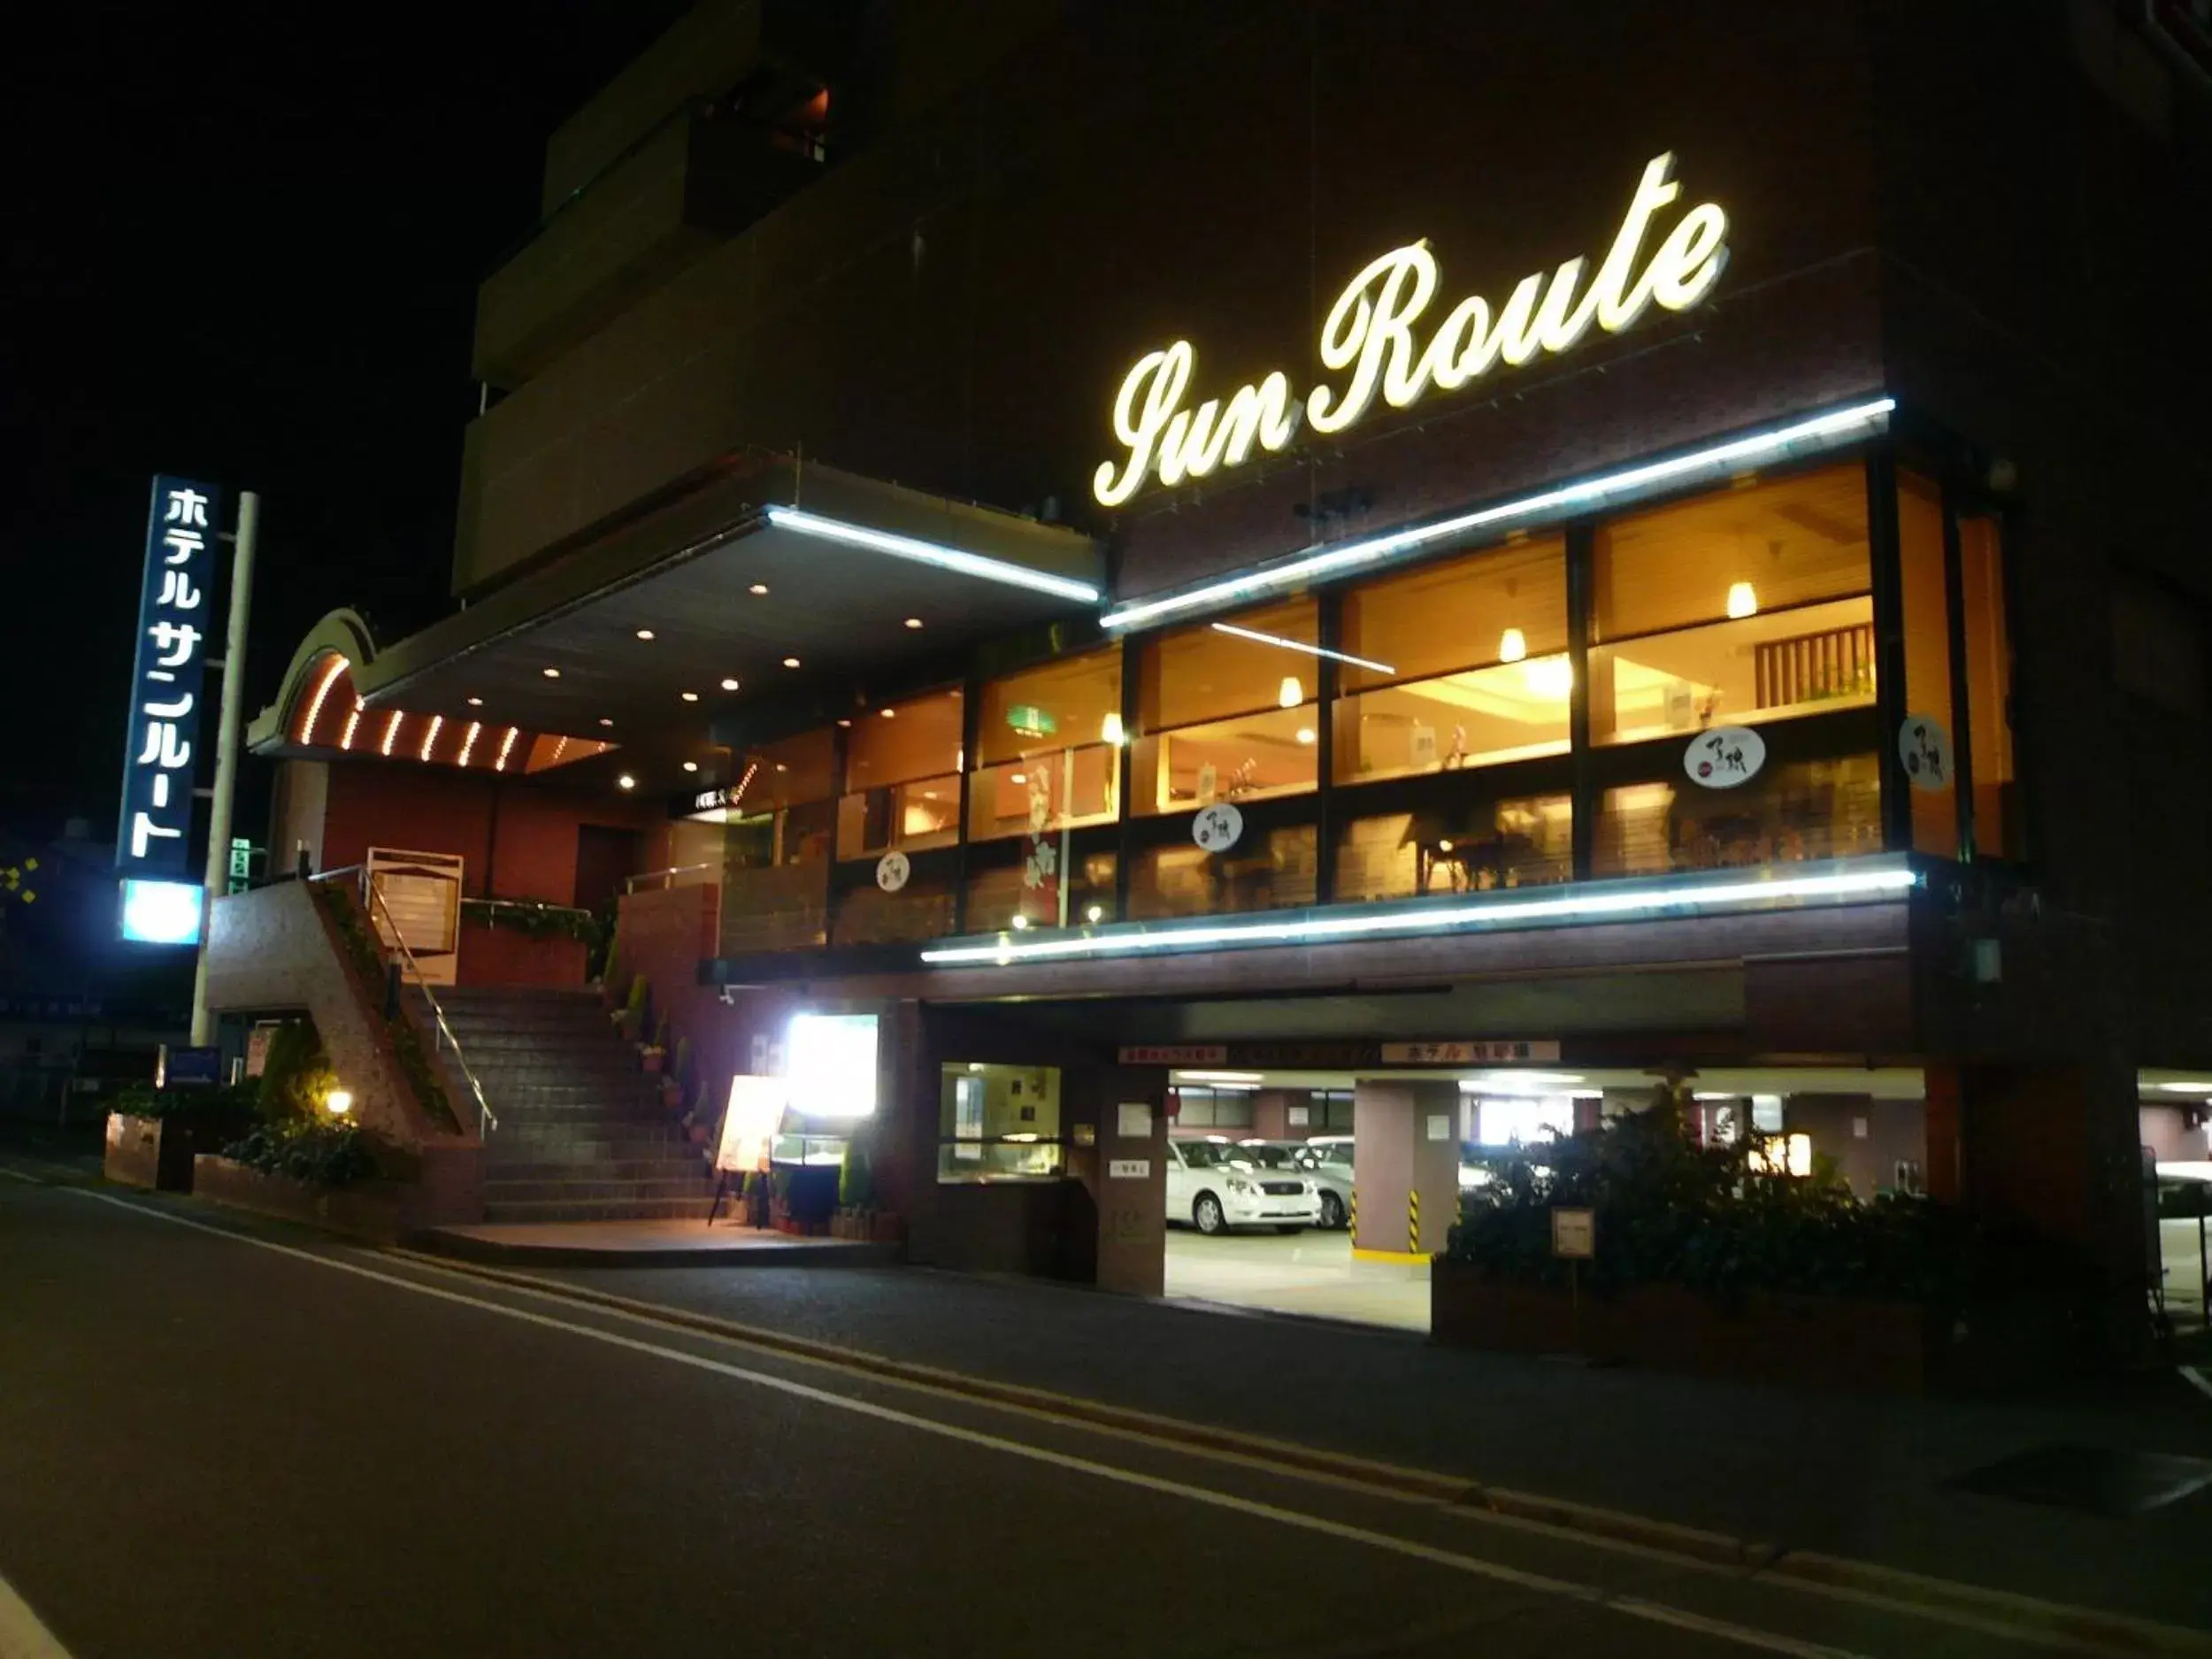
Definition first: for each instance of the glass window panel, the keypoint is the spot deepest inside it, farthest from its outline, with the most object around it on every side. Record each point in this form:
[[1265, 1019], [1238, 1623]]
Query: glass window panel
[[997, 896], [909, 817], [1506, 605], [998, 1122], [1935, 812], [775, 879], [1768, 666], [1269, 870], [1758, 547], [1998, 818], [1478, 717], [791, 772], [1202, 673], [1457, 850], [1816, 808], [1060, 705], [902, 742], [1250, 757], [1050, 790]]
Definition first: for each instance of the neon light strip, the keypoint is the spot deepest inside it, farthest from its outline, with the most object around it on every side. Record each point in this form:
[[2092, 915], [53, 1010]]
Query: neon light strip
[[391, 731], [315, 704], [930, 553], [1836, 424], [1494, 913], [468, 742], [1300, 645], [353, 722], [506, 748], [430, 738]]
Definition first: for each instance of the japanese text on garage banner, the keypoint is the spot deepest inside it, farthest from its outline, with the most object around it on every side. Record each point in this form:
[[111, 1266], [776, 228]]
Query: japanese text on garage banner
[[153, 832]]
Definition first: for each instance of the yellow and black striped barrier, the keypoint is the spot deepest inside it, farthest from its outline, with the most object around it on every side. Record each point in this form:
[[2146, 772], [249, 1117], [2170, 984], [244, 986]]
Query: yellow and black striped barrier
[[1413, 1223], [1352, 1218]]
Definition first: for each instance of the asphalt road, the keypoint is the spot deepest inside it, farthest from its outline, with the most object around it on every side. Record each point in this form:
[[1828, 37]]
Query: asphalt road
[[218, 1438]]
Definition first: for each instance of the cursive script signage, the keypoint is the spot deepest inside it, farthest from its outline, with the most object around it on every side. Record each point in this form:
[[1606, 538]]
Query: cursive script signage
[[1370, 339]]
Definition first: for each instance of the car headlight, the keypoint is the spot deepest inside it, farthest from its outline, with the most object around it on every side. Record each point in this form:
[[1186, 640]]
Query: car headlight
[[1238, 1184]]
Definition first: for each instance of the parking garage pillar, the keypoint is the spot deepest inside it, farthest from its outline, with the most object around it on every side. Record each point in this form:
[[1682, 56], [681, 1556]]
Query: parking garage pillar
[[1405, 1145], [1115, 1230]]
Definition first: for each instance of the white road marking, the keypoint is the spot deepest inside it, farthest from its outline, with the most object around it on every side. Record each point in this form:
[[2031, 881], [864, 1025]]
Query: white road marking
[[22, 1635], [18, 1175], [2198, 1380], [1588, 1595]]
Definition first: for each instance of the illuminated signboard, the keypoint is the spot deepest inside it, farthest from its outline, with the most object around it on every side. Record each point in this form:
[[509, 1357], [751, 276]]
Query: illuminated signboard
[[1369, 338], [154, 831], [830, 1065]]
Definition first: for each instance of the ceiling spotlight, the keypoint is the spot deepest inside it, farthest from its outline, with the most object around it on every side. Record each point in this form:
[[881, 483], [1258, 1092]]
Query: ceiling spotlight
[[476, 703], [759, 589], [688, 696], [1305, 734], [1020, 777], [626, 782], [606, 719], [645, 633], [691, 765], [1095, 912], [889, 714], [552, 673], [729, 685], [843, 723], [790, 662], [913, 622]]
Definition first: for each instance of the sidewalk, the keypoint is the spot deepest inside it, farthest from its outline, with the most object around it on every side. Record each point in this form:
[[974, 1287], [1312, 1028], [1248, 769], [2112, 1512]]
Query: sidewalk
[[1841, 1474]]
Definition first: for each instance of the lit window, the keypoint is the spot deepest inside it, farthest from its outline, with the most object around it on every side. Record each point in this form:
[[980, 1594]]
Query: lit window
[[1222, 711]]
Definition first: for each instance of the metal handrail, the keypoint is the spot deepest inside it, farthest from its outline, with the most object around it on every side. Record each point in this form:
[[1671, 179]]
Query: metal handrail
[[629, 883], [485, 1121]]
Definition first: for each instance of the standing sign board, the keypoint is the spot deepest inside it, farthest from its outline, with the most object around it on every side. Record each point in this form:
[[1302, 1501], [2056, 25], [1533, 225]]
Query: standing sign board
[[174, 605], [416, 898]]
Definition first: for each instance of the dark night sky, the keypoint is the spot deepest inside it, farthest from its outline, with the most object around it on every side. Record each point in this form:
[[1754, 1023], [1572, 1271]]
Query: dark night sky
[[243, 243]]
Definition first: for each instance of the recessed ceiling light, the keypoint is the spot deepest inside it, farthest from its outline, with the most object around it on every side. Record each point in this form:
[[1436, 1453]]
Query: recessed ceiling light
[[1021, 777], [476, 703], [626, 782], [729, 685], [913, 622], [552, 673], [645, 633], [691, 765], [845, 723], [889, 714], [606, 719], [759, 588], [781, 767], [688, 696], [790, 662]]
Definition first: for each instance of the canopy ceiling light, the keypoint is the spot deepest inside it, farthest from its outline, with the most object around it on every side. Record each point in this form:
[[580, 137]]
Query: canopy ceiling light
[[951, 558]]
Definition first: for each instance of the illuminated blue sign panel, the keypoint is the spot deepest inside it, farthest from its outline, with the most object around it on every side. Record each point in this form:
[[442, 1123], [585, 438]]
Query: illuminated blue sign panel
[[154, 833], [161, 912]]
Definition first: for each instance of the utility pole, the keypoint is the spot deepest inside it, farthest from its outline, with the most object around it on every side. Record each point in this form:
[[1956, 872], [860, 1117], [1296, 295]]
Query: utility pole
[[227, 739]]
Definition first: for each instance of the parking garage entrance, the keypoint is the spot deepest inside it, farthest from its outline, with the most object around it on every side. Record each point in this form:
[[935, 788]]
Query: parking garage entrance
[[1325, 1193]]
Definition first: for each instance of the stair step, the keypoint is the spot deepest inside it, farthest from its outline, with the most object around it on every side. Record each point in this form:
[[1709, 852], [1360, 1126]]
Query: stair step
[[557, 1210], [685, 1166], [584, 1189]]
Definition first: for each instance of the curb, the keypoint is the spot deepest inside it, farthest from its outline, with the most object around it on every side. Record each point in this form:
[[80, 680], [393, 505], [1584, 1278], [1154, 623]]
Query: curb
[[2081, 1628]]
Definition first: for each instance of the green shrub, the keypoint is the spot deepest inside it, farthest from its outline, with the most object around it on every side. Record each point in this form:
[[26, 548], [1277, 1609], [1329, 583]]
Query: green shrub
[[1670, 1211], [328, 1155], [226, 1111], [856, 1180], [296, 1075]]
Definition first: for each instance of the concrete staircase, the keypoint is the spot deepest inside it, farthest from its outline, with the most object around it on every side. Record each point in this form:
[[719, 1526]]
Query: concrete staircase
[[582, 1135]]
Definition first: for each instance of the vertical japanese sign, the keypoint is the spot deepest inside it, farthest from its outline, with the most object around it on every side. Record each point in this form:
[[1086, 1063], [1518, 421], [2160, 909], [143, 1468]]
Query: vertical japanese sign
[[154, 833]]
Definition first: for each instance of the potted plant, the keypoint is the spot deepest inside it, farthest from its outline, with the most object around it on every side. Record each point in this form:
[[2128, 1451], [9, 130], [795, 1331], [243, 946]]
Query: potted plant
[[757, 1202], [629, 1019], [856, 1194], [779, 1202], [676, 1082]]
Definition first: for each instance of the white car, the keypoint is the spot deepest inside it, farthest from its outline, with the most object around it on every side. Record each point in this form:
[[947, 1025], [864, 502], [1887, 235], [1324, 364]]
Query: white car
[[1326, 1162], [1215, 1185]]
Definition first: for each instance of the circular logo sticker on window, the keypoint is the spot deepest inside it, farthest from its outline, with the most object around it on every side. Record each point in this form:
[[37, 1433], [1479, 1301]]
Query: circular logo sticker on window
[[1218, 828], [892, 871], [1725, 756], [1926, 748]]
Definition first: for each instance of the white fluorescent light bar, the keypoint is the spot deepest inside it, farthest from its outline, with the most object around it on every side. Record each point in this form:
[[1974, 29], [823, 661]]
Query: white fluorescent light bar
[[1300, 645], [949, 559], [1591, 492], [1307, 929]]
